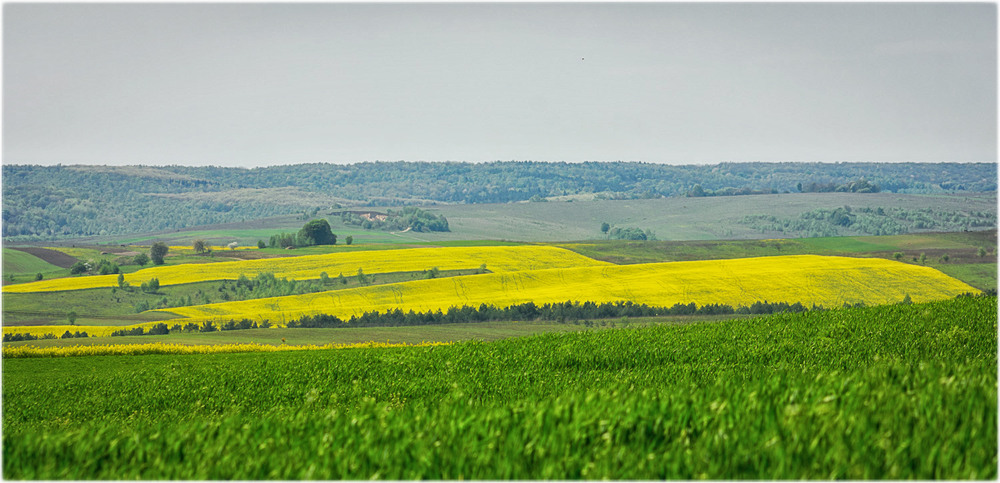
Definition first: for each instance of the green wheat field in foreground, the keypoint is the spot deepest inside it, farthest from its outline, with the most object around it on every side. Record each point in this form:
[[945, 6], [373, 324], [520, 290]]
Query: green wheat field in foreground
[[896, 392]]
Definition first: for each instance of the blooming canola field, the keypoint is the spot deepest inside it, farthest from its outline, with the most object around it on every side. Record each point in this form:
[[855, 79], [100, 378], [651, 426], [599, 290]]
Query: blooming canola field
[[497, 259], [809, 279]]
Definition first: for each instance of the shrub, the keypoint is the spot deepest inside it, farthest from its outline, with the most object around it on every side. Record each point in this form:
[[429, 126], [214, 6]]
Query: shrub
[[141, 259]]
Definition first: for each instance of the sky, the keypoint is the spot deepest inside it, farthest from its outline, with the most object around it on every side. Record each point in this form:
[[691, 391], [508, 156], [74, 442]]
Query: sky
[[266, 84]]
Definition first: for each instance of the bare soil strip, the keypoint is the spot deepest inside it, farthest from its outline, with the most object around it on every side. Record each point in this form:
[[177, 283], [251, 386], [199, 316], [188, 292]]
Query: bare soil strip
[[54, 257]]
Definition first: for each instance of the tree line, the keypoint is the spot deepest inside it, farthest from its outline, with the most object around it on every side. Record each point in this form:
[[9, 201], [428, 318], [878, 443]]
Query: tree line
[[564, 312], [846, 220]]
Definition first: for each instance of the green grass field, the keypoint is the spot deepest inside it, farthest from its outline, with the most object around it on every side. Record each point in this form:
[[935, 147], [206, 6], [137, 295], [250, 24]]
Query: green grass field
[[24, 266], [891, 392], [481, 331], [17, 262], [711, 218]]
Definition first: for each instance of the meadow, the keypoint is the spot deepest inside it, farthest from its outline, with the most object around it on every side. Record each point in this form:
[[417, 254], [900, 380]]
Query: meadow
[[889, 392]]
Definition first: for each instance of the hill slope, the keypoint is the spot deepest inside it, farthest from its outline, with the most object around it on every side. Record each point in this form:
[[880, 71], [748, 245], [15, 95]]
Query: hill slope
[[809, 279]]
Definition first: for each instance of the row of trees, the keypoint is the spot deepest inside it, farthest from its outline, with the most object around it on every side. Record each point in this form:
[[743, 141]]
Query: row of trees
[[560, 312], [564, 312], [23, 337], [207, 326]]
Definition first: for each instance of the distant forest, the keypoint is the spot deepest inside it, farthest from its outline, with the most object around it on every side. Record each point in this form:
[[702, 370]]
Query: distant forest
[[46, 202]]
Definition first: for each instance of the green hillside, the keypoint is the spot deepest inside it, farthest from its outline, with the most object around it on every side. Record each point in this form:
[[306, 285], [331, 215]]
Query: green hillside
[[16, 262]]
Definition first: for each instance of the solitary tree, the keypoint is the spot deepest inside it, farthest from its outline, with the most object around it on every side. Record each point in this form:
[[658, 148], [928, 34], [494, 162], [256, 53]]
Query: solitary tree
[[349, 239], [898, 256], [72, 317], [981, 252], [605, 227], [157, 252], [261, 244], [923, 258], [38, 276], [140, 259], [199, 246], [318, 232]]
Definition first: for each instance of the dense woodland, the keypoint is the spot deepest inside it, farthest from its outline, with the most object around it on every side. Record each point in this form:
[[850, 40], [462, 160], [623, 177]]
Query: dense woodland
[[45, 202]]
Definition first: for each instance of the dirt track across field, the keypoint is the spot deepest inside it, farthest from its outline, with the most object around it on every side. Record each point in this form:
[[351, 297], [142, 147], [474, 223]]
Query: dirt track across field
[[54, 257]]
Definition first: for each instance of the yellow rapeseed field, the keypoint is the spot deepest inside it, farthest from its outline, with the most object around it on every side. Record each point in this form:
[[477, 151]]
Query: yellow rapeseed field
[[809, 279], [162, 348], [496, 259], [91, 330]]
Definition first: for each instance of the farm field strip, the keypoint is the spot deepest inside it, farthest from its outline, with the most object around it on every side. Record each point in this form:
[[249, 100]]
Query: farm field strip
[[28, 351], [496, 259], [17, 261], [809, 279]]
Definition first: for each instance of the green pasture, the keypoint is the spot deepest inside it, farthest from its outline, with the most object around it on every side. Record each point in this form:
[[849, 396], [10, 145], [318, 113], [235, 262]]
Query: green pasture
[[959, 245], [23, 267], [982, 276], [481, 331], [894, 392], [673, 218], [18, 262], [250, 232]]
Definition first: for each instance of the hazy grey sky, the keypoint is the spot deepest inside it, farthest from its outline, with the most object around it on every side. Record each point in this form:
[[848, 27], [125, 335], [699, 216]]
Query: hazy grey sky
[[264, 84]]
